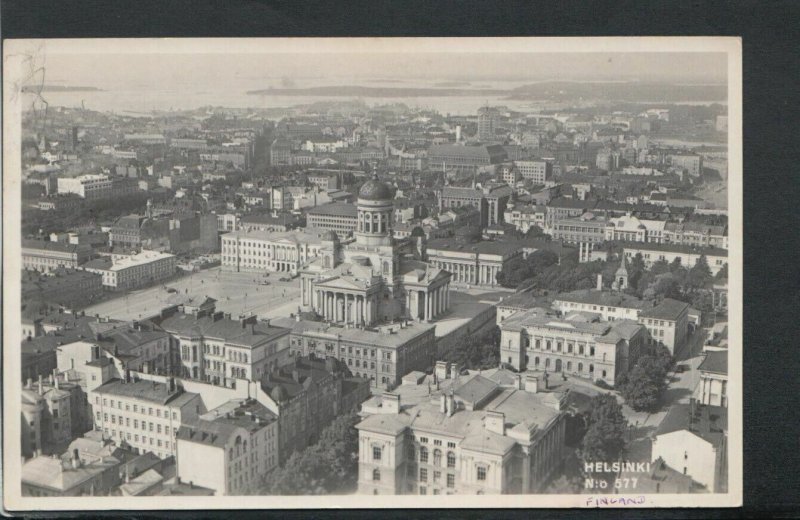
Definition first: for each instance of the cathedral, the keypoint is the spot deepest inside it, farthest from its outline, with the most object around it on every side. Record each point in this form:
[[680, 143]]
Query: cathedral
[[374, 278]]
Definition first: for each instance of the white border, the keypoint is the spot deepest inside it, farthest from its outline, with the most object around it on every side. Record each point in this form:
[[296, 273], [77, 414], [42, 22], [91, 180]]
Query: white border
[[13, 501]]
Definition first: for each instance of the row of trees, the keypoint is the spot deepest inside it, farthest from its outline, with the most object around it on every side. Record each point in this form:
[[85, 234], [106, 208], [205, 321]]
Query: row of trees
[[328, 467], [477, 351], [520, 269]]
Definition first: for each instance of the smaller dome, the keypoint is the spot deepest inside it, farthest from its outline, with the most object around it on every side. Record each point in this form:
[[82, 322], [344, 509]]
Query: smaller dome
[[330, 236], [642, 226], [417, 232], [279, 394]]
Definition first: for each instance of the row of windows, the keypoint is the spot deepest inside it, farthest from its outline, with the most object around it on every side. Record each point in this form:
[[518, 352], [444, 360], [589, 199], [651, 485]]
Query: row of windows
[[136, 408], [548, 345]]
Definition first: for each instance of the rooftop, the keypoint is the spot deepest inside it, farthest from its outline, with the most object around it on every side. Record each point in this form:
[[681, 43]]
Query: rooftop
[[707, 422], [146, 390], [604, 298], [675, 248], [216, 427], [237, 332], [716, 362], [668, 309], [336, 209]]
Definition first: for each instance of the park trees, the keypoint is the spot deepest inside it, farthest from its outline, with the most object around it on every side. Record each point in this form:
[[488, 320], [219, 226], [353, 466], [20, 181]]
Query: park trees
[[476, 351], [604, 440], [644, 384], [327, 467]]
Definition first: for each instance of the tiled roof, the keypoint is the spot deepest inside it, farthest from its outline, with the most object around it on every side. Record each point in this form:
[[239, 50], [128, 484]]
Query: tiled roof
[[716, 362]]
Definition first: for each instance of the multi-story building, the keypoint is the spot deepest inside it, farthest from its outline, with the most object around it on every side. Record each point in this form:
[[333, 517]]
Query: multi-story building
[[280, 222], [688, 256], [470, 159], [695, 234], [632, 229], [144, 414], [229, 449], [220, 350], [563, 208], [70, 476], [280, 152], [588, 228], [692, 163], [309, 394], [538, 171], [228, 222], [476, 264], [491, 200], [466, 435], [88, 186], [324, 181], [487, 118], [188, 144], [48, 415], [382, 356], [667, 322], [713, 386], [523, 217], [133, 271], [277, 251], [579, 345], [146, 139], [693, 440], [44, 256], [339, 217]]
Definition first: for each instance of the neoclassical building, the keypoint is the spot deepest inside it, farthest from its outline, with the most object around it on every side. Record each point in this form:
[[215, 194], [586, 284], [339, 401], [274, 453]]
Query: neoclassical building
[[374, 278]]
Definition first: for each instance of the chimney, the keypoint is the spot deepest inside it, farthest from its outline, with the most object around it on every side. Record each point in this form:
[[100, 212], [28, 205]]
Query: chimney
[[440, 370], [41, 392], [51, 379], [127, 375], [451, 404], [443, 403], [171, 384], [76, 460], [495, 422], [56, 382], [599, 282], [454, 371], [29, 383], [116, 351]]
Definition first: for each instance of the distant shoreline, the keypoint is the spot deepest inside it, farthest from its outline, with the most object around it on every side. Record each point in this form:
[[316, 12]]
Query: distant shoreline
[[59, 88], [353, 90]]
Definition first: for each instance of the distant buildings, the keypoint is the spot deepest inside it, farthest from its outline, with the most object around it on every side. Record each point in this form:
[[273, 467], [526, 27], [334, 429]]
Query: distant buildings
[[687, 256], [476, 264], [487, 117], [45, 256], [86, 186], [133, 271], [491, 200], [467, 159], [70, 288], [538, 171]]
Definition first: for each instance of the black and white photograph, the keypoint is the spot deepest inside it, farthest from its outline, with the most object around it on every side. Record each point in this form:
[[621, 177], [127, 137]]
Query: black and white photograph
[[372, 272]]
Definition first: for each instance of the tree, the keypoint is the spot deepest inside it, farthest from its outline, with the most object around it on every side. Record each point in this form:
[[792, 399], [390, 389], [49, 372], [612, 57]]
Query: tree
[[604, 440], [699, 275], [659, 267], [722, 274], [643, 386], [326, 467], [476, 352]]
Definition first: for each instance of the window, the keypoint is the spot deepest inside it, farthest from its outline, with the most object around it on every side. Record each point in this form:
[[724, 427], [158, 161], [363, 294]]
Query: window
[[451, 480], [437, 476], [376, 474], [437, 457], [424, 491], [451, 444], [481, 473], [423, 454], [451, 459], [423, 474], [376, 453]]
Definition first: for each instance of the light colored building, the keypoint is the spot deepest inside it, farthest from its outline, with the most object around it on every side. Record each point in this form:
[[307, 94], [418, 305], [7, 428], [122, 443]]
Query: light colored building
[[45, 256], [692, 439], [690, 162], [538, 171], [339, 217], [217, 349], [687, 256], [460, 435], [70, 476], [381, 356], [229, 449], [491, 200], [447, 157], [475, 264], [580, 345], [589, 228], [144, 414], [88, 186], [275, 251], [132, 271], [632, 229], [695, 234], [371, 280], [713, 387], [524, 217], [148, 139]]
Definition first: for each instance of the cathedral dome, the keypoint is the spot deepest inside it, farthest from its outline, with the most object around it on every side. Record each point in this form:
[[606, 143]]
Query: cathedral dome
[[374, 189]]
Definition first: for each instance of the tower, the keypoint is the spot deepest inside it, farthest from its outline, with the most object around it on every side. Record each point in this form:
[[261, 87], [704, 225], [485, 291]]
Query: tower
[[375, 210], [621, 276]]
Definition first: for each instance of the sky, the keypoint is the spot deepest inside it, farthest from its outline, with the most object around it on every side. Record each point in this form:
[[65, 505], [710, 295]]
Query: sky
[[109, 70]]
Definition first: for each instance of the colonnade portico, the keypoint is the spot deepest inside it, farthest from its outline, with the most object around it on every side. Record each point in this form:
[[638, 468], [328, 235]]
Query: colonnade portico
[[480, 274], [346, 307], [428, 304]]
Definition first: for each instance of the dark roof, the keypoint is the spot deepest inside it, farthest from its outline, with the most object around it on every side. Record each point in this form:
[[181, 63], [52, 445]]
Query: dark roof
[[374, 189], [562, 202], [33, 243], [707, 422], [668, 309], [232, 331], [339, 209], [145, 390], [675, 248], [716, 362]]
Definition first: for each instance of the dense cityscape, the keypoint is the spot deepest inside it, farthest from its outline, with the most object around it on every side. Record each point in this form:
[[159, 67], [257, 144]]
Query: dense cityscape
[[376, 298]]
